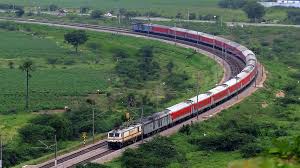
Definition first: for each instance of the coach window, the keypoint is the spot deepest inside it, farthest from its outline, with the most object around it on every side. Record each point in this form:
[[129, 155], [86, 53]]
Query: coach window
[[111, 134], [117, 134]]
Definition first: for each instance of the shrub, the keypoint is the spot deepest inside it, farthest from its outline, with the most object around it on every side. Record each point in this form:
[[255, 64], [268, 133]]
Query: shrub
[[52, 61], [251, 150], [228, 141], [157, 153], [96, 14], [92, 165], [94, 45], [32, 133], [69, 62]]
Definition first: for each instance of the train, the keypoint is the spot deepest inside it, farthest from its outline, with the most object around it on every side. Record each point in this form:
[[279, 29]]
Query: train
[[121, 137]]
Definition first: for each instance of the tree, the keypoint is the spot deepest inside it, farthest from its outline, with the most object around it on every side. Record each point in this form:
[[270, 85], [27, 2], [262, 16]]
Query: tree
[[233, 4], [27, 67], [84, 9], [20, 12], [96, 14], [192, 16], [11, 65], [76, 38], [32, 133], [254, 10], [53, 7]]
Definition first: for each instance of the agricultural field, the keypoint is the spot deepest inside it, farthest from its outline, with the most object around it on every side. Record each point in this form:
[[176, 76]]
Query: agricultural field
[[266, 121], [203, 9], [62, 77], [165, 8]]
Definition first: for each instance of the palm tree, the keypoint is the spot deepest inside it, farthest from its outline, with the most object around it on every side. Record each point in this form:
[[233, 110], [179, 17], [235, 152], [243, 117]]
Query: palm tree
[[27, 66]]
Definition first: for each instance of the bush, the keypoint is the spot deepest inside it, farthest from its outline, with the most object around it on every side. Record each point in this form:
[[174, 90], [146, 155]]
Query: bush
[[53, 7], [185, 129], [241, 125], [92, 165], [52, 61], [32, 133], [20, 12], [177, 81], [96, 14], [61, 125], [69, 62], [94, 46], [157, 153], [228, 141], [251, 150], [119, 54], [8, 26]]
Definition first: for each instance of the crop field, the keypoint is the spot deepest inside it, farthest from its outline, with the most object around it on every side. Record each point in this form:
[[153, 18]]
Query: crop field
[[166, 8], [72, 78], [248, 129]]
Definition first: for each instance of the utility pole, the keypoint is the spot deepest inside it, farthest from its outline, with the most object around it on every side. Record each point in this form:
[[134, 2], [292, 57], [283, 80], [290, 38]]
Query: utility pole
[[198, 85], [175, 32], [93, 125], [188, 15], [156, 98], [142, 122], [119, 16], [55, 160], [1, 151]]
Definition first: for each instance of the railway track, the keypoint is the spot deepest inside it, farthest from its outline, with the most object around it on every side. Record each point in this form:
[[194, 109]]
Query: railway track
[[76, 154], [100, 149]]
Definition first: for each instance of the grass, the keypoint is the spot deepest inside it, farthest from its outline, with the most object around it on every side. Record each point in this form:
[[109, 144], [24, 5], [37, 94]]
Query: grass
[[166, 8], [75, 77], [276, 50]]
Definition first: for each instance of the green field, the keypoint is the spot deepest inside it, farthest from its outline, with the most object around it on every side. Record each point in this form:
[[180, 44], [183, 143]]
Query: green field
[[166, 8], [119, 3], [261, 118]]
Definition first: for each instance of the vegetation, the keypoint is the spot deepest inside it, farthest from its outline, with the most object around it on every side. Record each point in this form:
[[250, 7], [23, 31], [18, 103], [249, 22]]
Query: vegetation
[[233, 4], [294, 16], [97, 14], [61, 79], [76, 38], [27, 67], [203, 9], [254, 10], [265, 125]]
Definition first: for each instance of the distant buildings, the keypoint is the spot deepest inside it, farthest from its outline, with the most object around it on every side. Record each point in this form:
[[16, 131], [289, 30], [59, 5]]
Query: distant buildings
[[282, 3]]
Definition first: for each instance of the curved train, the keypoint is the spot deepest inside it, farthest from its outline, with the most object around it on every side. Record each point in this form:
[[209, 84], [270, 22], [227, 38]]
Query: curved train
[[193, 106]]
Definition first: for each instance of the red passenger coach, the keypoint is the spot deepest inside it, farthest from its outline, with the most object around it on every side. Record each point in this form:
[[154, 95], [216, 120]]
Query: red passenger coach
[[180, 111], [160, 29], [219, 93], [207, 39]]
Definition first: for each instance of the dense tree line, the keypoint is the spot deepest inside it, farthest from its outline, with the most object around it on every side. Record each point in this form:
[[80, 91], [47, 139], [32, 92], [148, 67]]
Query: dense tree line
[[233, 4], [294, 16], [253, 9]]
